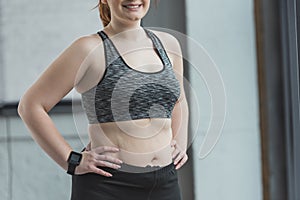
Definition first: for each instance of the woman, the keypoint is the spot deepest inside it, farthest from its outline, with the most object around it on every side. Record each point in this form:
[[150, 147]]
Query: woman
[[130, 79]]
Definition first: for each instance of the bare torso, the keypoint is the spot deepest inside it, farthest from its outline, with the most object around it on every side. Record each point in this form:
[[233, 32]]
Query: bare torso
[[148, 146]]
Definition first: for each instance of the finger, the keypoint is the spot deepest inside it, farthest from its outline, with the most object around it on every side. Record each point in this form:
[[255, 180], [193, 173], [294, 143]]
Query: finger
[[102, 149], [101, 172], [178, 158], [109, 158], [182, 162], [103, 163], [175, 153]]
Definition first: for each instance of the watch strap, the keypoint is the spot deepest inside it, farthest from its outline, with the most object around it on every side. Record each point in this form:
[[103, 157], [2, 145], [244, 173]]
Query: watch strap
[[71, 169], [71, 164]]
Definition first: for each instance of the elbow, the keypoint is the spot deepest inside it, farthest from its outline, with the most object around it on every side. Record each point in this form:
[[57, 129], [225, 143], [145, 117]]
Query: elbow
[[25, 107], [29, 107], [21, 108]]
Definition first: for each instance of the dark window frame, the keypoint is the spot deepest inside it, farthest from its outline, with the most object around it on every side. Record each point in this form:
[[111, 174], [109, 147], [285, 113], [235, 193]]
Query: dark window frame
[[290, 44], [9, 109], [278, 72]]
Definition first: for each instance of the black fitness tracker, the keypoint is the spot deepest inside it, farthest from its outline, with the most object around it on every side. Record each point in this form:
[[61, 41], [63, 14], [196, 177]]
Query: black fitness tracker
[[73, 161]]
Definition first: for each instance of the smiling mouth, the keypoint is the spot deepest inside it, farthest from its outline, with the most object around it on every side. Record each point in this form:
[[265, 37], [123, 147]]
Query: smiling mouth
[[132, 6]]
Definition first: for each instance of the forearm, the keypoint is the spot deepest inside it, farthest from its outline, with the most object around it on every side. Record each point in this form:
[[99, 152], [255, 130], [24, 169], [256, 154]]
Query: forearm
[[180, 117], [45, 133]]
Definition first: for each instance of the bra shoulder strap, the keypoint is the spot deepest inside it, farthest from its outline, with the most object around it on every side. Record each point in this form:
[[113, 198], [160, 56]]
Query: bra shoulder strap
[[110, 51], [159, 46]]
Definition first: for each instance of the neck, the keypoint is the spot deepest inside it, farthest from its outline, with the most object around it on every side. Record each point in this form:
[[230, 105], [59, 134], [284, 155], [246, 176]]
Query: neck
[[132, 31]]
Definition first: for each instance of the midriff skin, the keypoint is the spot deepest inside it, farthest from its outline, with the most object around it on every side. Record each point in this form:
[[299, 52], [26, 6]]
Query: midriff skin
[[141, 142]]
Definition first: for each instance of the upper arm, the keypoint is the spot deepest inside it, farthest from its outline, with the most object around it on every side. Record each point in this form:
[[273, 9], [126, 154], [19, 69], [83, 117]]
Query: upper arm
[[60, 76]]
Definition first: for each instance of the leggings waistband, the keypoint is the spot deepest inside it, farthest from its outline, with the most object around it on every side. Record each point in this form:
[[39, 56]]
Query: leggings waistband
[[137, 169], [127, 168]]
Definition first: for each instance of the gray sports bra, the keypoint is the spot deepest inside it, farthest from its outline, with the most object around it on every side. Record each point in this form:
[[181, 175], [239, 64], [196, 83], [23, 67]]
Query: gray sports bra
[[125, 93]]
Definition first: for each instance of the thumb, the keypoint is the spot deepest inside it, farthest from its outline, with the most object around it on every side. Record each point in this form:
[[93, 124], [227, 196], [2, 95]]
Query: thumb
[[88, 147]]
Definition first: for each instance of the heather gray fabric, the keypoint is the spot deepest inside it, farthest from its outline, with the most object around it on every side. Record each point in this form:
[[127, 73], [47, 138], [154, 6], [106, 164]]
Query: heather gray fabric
[[124, 93]]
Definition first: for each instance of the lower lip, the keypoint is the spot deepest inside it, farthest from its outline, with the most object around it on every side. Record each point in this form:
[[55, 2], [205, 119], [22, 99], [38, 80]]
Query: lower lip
[[133, 9]]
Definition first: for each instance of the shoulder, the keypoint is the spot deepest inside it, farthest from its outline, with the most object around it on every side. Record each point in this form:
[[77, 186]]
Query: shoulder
[[86, 43], [86, 50], [170, 43]]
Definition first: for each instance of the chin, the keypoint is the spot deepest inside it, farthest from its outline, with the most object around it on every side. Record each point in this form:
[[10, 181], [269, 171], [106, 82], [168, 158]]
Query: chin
[[135, 18]]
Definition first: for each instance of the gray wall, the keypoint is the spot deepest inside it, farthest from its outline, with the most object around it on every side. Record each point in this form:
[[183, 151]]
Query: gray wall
[[26, 171], [232, 171], [1, 59], [167, 14], [32, 35]]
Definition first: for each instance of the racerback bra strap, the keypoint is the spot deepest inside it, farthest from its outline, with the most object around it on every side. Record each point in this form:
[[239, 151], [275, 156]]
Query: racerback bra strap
[[112, 53]]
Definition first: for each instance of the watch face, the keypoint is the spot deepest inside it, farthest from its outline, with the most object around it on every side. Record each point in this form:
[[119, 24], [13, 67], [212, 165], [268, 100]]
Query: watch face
[[75, 158]]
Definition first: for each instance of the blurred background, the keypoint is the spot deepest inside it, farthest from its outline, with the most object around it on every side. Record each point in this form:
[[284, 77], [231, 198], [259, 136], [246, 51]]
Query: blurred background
[[253, 43]]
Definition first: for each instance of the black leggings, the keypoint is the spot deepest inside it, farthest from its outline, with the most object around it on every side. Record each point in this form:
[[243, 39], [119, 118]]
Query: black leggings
[[158, 184]]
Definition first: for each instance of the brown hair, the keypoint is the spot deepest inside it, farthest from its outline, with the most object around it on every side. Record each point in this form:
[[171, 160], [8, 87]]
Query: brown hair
[[104, 12]]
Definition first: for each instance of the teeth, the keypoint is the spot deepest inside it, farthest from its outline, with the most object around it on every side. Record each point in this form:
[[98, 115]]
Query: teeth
[[132, 6]]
